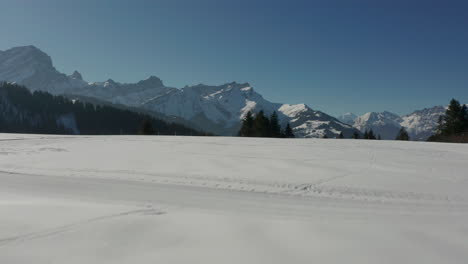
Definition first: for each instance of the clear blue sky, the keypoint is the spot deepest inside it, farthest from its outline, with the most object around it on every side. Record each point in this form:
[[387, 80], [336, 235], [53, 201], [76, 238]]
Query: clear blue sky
[[336, 56]]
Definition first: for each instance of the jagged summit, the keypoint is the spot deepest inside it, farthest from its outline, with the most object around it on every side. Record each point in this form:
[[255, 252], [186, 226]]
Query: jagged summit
[[30, 66], [214, 108], [152, 81], [347, 118], [420, 124], [76, 75]]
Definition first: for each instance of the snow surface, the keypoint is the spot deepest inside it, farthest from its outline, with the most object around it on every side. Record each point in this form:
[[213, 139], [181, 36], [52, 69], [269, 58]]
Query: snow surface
[[131, 199]]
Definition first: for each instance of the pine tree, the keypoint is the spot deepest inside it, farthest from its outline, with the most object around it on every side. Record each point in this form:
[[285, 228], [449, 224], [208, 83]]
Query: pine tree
[[341, 135], [379, 137], [356, 135], [247, 129], [454, 119], [366, 134], [453, 126], [275, 128], [402, 134], [325, 136], [146, 128], [464, 117], [371, 135], [288, 133], [261, 125], [440, 125]]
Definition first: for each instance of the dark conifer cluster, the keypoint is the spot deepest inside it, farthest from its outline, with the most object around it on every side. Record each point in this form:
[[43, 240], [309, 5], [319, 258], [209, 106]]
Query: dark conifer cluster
[[369, 134], [453, 126], [22, 111], [262, 126], [402, 135]]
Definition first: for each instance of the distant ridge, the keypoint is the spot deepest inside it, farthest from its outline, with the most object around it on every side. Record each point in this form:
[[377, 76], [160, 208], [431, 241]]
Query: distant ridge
[[217, 109]]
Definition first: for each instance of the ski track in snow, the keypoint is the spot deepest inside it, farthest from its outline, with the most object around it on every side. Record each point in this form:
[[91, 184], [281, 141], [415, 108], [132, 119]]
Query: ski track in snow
[[68, 227], [297, 200]]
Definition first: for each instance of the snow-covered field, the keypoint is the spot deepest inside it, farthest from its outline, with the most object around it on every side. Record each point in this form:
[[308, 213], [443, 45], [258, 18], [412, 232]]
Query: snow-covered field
[[130, 199]]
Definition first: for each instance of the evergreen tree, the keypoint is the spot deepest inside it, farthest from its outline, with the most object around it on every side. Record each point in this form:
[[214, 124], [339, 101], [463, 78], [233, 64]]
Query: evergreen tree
[[146, 128], [341, 135], [454, 119], [325, 136], [261, 125], [366, 135], [379, 137], [464, 118], [275, 128], [288, 132], [356, 135], [402, 134], [42, 113], [371, 135], [247, 129], [440, 125]]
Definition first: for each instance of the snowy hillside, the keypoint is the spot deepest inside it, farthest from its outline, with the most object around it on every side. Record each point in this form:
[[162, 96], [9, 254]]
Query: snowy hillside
[[217, 109], [310, 123], [224, 106], [385, 124], [420, 124], [131, 94], [347, 118], [130, 199]]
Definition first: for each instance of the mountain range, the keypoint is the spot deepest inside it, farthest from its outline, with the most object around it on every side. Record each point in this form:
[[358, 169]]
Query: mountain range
[[218, 109], [213, 108], [420, 124]]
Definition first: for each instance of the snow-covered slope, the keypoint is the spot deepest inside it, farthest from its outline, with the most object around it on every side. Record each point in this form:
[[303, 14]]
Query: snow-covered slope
[[231, 200], [422, 124], [130, 94], [307, 122], [347, 118], [385, 124], [217, 109], [224, 106]]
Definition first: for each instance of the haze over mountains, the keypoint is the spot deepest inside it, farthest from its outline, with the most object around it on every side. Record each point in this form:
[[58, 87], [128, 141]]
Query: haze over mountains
[[218, 109]]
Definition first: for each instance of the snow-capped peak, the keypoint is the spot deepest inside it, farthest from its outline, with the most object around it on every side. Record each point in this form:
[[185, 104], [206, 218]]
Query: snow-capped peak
[[217, 109], [347, 118], [422, 123], [293, 110]]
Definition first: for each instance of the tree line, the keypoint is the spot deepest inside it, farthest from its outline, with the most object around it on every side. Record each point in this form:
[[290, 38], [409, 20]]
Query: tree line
[[261, 125], [23, 111], [453, 126]]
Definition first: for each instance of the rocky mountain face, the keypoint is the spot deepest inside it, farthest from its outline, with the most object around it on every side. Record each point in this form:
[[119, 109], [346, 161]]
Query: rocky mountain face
[[420, 124], [33, 68], [222, 107], [385, 124], [217, 109], [423, 123], [347, 118]]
